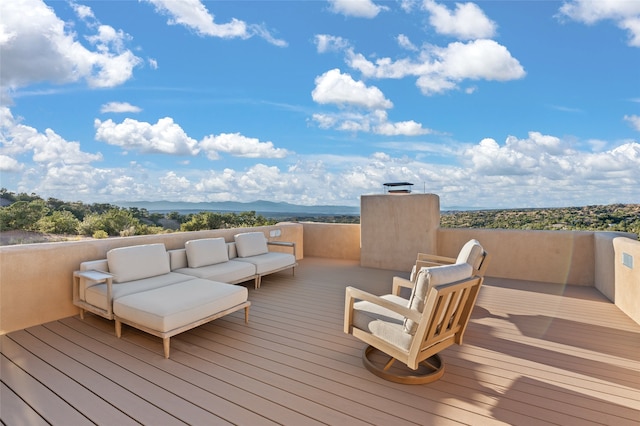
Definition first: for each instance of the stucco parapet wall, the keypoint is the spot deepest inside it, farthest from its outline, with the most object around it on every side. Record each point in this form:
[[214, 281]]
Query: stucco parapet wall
[[627, 276], [332, 240], [561, 257], [36, 279]]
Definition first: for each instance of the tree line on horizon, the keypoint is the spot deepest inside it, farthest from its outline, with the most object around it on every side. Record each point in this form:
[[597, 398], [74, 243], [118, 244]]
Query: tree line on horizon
[[30, 212]]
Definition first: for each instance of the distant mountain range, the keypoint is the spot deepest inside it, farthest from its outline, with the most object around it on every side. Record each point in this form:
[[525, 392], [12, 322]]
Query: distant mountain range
[[262, 207]]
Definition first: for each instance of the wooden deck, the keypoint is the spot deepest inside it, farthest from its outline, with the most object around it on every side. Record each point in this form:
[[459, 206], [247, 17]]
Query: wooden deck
[[533, 354]]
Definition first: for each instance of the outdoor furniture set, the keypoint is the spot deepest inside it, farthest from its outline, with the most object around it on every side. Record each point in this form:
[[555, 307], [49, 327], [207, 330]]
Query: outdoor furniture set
[[167, 292]]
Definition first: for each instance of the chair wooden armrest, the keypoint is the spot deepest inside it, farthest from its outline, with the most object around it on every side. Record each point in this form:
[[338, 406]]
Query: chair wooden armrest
[[399, 283], [441, 260], [353, 294]]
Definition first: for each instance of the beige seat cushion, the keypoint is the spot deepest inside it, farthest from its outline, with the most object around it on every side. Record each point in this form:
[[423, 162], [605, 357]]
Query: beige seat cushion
[[96, 295], [269, 262], [167, 308], [430, 277], [230, 271], [382, 322]]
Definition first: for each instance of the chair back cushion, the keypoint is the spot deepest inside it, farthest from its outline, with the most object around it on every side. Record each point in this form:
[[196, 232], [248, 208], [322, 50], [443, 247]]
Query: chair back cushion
[[138, 262], [251, 244], [471, 253], [430, 277], [206, 251]]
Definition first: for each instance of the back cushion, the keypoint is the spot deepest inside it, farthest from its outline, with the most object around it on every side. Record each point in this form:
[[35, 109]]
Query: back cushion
[[429, 277], [471, 253], [206, 251], [251, 244], [232, 250], [138, 262]]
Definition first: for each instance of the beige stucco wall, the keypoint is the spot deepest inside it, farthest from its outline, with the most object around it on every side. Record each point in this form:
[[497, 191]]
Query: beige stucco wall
[[395, 227], [36, 279], [627, 287], [332, 240], [563, 257]]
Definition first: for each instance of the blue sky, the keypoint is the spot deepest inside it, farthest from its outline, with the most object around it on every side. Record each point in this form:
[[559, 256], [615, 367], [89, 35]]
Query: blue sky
[[492, 104]]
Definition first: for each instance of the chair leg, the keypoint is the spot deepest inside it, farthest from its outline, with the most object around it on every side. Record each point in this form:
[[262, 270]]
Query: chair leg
[[429, 370]]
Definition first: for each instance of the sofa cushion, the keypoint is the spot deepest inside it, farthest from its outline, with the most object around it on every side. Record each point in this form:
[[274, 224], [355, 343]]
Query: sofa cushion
[[233, 253], [178, 259], [167, 308], [430, 277], [226, 272], [251, 244], [269, 262], [206, 251], [96, 295], [138, 262]]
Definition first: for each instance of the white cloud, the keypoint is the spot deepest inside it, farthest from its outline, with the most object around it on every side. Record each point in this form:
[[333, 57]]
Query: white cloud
[[405, 43], [634, 120], [334, 87], [47, 148], [9, 164], [240, 146], [41, 49], [119, 107], [467, 22], [440, 69], [376, 122], [193, 14], [626, 14], [165, 137], [356, 8], [328, 43]]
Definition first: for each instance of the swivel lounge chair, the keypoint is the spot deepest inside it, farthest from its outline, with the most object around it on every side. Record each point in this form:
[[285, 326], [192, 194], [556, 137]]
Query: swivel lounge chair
[[413, 331]]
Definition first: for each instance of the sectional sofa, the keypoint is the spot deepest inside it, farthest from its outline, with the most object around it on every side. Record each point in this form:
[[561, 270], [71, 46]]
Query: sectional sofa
[[167, 292]]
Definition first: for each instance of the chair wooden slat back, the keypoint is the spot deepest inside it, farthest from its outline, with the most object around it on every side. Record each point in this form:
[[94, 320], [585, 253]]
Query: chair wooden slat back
[[445, 318]]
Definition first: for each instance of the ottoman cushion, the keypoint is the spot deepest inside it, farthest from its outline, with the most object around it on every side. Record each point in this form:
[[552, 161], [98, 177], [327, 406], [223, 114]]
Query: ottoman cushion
[[167, 308]]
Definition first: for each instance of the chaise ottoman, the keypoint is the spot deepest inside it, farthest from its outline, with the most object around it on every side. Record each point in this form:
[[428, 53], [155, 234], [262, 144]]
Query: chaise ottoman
[[170, 310]]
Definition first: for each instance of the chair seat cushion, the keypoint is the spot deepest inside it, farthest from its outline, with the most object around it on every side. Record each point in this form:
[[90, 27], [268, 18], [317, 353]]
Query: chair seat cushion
[[382, 322], [167, 308]]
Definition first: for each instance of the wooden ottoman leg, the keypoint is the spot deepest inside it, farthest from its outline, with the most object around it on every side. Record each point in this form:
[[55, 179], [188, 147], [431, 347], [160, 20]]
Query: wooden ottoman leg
[[166, 344], [246, 315], [118, 328]]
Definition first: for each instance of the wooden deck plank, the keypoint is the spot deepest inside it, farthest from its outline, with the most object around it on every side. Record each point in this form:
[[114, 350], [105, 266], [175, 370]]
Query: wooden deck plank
[[180, 380], [15, 411], [210, 377], [72, 381], [533, 354], [50, 407]]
